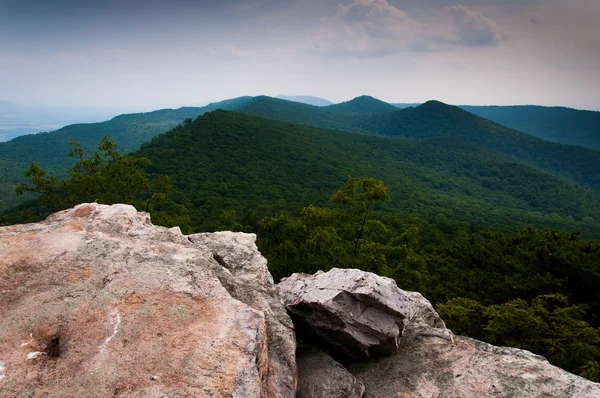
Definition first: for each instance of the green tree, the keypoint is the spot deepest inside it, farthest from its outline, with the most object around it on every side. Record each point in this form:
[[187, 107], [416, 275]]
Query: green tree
[[356, 197], [107, 177], [548, 325], [103, 177]]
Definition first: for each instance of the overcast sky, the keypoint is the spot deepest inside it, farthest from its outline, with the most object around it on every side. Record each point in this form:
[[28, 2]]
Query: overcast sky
[[148, 54]]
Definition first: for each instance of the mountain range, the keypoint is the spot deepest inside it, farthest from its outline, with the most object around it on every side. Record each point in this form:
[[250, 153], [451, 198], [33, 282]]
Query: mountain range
[[437, 158]]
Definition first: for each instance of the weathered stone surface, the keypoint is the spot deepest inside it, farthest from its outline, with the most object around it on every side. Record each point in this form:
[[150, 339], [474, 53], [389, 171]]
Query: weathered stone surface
[[429, 366], [359, 313], [320, 376], [246, 278], [98, 302]]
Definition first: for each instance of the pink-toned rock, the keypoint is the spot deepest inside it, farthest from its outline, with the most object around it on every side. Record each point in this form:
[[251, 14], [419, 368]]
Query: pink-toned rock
[[98, 302], [427, 365], [320, 376]]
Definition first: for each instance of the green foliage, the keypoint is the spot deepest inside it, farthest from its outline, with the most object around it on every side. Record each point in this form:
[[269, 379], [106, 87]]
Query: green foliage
[[548, 325], [127, 131], [228, 161], [345, 237], [103, 177], [477, 270], [357, 197], [435, 119], [492, 267]]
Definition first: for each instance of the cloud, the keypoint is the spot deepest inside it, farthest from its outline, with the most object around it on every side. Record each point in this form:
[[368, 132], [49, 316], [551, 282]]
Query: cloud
[[474, 29], [368, 28]]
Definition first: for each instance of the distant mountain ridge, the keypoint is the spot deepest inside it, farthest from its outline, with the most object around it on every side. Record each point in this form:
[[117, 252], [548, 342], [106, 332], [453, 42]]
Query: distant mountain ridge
[[306, 99], [557, 124]]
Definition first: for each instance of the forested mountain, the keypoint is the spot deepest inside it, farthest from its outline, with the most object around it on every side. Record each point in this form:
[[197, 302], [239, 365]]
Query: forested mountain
[[128, 131], [435, 119], [557, 124], [363, 105], [229, 161], [452, 220]]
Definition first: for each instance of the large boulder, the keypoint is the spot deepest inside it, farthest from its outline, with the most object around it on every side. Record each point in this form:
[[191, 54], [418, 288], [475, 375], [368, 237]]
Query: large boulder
[[427, 365], [320, 376], [359, 313], [98, 302]]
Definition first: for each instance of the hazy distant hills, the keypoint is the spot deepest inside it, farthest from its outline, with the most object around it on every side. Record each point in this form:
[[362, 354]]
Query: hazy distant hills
[[406, 105], [17, 119], [230, 161], [564, 125], [306, 99]]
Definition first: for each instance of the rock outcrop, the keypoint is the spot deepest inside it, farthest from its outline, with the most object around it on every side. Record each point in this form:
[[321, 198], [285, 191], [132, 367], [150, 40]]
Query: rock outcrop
[[320, 376], [429, 366], [98, 302], [359, 313], [362, 309]]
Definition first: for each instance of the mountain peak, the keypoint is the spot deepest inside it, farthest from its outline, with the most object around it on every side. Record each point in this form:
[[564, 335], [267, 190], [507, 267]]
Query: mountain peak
[[363, 104]]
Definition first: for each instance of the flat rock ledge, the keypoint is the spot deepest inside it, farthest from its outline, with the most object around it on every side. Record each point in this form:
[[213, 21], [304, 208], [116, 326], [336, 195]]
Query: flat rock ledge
[[98, 302]]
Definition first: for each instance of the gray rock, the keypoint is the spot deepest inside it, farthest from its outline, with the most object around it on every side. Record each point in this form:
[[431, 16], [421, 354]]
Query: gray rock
[[359, 313], [320, 376], [427, 365], [105, 304]]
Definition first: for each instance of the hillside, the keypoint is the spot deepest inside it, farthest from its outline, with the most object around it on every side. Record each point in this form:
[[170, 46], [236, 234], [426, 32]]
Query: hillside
[[557, 124], [49, 149], [230, 161], [436, 119]]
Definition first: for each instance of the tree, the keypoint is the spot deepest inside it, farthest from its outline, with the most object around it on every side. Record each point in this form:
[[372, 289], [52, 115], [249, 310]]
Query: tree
[[104, 177], [356, 197], [107, 177]]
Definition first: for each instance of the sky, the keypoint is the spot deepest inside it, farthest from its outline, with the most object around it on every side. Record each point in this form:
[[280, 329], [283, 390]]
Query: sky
[[150, 54]]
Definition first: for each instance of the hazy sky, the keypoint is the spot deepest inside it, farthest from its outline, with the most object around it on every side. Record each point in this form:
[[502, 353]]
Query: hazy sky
[[147, 54]]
